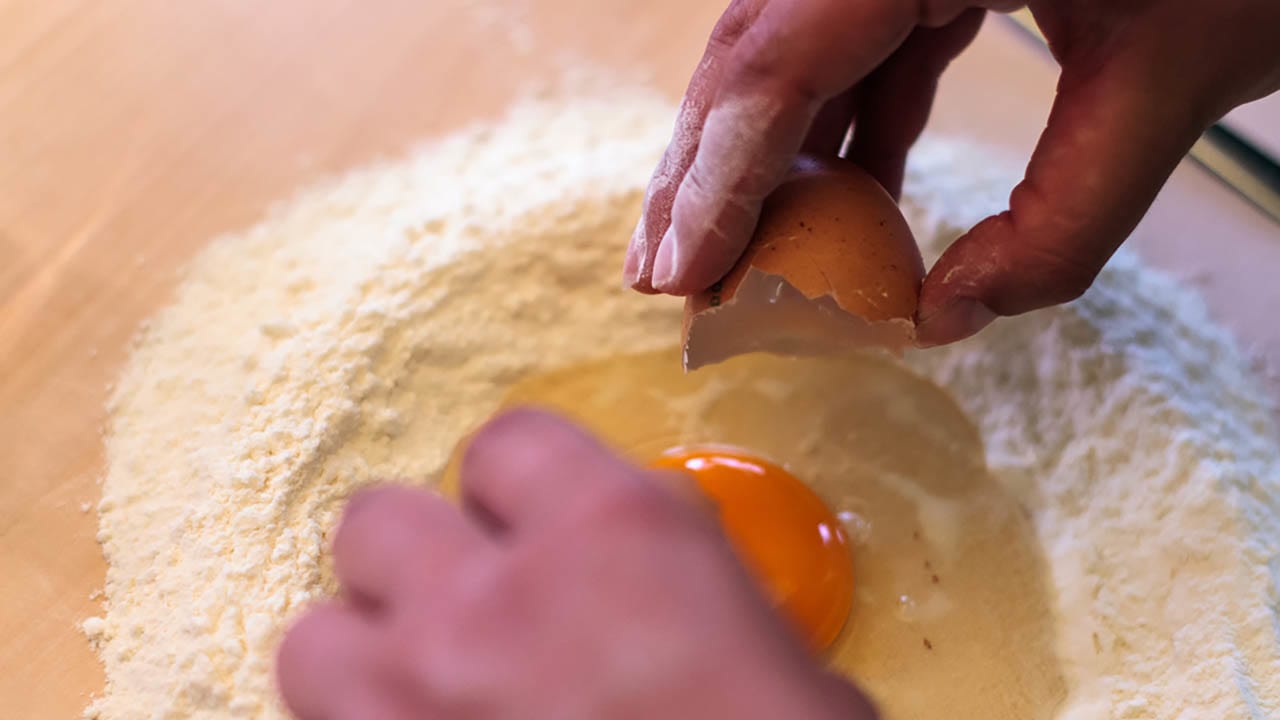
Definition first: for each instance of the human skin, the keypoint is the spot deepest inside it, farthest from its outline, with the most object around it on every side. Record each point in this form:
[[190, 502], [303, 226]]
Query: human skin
[[572, 585], [568, 584], [1140, 81]]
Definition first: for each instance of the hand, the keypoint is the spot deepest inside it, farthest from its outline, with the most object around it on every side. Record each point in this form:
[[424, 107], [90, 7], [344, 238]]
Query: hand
[[1141, 80], [569, 585]]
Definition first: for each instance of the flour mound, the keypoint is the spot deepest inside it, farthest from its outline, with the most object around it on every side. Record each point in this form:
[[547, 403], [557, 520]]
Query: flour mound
[[359, 331]]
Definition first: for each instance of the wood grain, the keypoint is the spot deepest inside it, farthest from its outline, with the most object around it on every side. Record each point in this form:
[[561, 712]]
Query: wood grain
[[132, 133]]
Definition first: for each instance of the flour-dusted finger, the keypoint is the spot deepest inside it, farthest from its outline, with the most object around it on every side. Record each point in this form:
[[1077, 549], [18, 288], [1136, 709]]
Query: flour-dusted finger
[[655, 214], [394, 538], [785, 67], [796, 57]]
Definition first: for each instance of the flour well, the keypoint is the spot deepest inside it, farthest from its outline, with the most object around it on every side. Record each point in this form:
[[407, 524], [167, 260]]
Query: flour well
[[357, 332]]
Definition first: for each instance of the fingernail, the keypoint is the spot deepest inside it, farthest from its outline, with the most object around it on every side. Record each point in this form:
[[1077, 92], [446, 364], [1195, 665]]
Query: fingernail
[[957, 320], [664, 265], [635, 255], [636, 250]]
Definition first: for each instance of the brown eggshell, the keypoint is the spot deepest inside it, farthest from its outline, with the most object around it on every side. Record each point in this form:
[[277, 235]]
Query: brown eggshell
[[832, 265]]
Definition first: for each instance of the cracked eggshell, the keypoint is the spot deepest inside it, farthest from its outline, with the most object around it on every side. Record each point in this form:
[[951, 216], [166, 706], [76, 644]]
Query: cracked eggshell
[[832, 266]]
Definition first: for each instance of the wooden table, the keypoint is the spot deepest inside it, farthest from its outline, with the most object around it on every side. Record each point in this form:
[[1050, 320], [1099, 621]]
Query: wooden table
[[131, 133]]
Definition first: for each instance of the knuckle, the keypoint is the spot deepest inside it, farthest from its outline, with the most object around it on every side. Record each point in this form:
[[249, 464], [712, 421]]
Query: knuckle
[[371, 504], [1062, 276], [637, 506], [697, 186], [311, 637], [296, 643], [733, 23], [531, 434], [373, 498], [428, 653], [433, 649], [723, 205], [509, 426], [427, 666], [767, 64], [371, 510]]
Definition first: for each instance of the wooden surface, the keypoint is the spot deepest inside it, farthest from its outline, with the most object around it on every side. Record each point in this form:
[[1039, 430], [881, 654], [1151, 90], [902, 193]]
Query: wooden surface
[[131, 133]]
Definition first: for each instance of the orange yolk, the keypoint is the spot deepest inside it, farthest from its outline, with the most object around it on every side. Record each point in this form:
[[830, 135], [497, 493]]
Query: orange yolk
[[783, 533]]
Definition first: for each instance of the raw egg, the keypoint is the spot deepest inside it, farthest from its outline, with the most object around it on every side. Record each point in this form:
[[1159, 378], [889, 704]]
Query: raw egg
[[953, 615], [832, 265], [783, 533]]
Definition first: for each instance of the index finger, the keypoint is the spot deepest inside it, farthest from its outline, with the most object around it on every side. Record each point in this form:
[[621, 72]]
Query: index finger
[[656, 213], [527, 467], [795, 56]]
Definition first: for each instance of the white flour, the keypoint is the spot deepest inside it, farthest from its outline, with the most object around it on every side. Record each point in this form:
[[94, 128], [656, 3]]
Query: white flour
[[358, 331]]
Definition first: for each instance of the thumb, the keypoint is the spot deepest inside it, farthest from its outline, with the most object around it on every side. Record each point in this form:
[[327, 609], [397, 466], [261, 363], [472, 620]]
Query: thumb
[[1114, 136]]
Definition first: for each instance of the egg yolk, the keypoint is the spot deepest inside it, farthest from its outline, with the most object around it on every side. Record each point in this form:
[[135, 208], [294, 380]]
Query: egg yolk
[[783, 533]]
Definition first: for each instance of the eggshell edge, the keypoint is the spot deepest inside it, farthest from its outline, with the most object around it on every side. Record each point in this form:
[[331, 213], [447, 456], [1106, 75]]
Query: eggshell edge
[[765, 307]]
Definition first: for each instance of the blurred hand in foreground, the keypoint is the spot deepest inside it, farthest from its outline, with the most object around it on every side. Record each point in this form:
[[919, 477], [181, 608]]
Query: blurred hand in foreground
[[1140, 81], [569, 585]]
